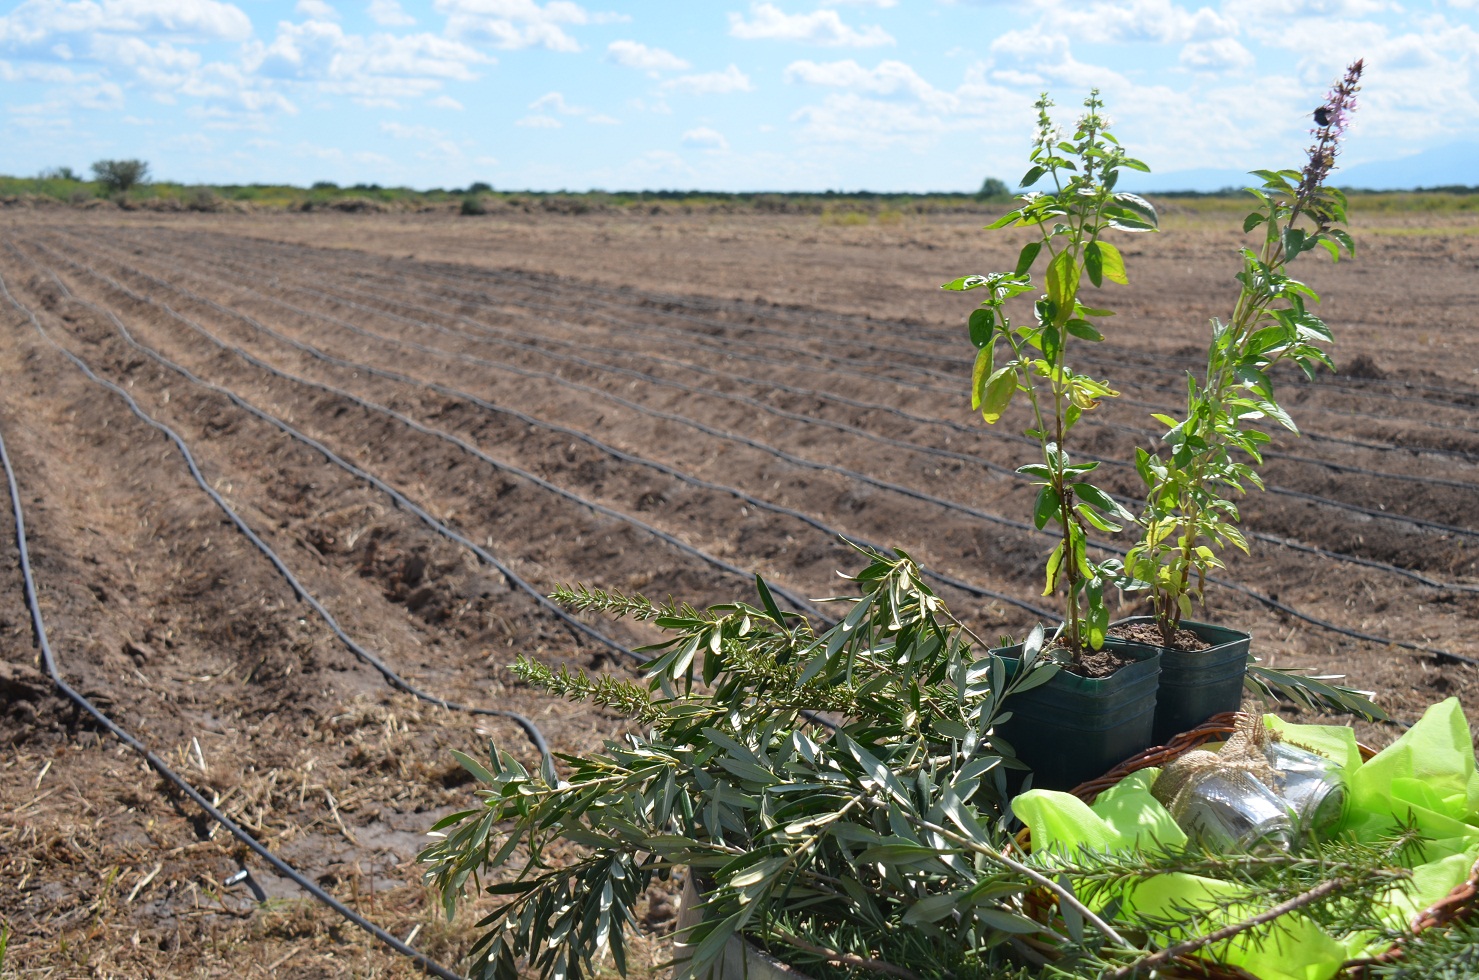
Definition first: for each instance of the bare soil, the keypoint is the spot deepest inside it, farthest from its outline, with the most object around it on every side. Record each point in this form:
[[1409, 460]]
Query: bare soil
[[1150, 635], [660, 403]]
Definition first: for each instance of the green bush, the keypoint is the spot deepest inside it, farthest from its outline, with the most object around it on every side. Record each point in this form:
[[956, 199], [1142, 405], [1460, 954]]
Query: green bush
[[121, 175]]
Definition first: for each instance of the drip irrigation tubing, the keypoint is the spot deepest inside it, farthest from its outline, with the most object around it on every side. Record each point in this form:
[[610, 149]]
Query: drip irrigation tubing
[[800, 604], [941, 577], [299, 590], [935, 421], [1007, 472], [400, 499], [1273, 539], [870, 377], [935, 335], [1293, 545], [1440, 655], [1111, 353], [1102, 354], [874, 378], [927, 420], [48, 658]]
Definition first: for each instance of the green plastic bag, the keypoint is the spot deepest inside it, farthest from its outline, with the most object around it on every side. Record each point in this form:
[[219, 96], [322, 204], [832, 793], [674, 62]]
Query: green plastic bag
[[1426, 778]]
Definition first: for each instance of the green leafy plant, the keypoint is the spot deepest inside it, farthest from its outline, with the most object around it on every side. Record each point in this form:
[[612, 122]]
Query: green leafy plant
[[1070, 221], [1214, 449], [838, 798], [120, 176], [993, 189], [823, 784]]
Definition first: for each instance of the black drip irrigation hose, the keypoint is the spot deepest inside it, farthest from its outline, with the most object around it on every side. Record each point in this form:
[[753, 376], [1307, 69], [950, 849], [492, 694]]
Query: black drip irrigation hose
[[657, 310], [978, 591], [1339, 467], [993, 434], [1370, 512], [791, 597], [1440, 655], [400, 499], [1099, 354], [299, 591], [932, 451], [968, 587], [889, 409], [154, 762], [536, 282]]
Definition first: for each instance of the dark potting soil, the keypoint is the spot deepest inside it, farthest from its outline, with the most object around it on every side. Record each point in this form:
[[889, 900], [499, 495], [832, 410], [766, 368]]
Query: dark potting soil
[[1098, 663], [1150, 635]]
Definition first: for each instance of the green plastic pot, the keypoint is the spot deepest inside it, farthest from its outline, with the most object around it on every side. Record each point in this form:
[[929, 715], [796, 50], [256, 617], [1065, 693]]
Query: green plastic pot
[[1196, 684], [1073, 729]]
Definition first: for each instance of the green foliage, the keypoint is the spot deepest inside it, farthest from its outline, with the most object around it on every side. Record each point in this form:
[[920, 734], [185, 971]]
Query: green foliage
[[841, 799], [896, 814], [1212, 451], [1034, 357], [1436, 954], [1313, 691], [472, 205], [993, 189], [120, 176]]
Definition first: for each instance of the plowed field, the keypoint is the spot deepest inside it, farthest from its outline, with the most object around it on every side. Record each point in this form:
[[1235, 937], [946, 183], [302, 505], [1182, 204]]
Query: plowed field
[[427, 423]]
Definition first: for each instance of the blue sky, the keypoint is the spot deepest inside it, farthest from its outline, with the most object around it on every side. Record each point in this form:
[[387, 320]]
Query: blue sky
[[780, 94]]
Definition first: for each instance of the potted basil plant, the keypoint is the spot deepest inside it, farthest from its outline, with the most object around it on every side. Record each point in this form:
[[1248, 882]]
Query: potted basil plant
[[1099, 709], [1212, 452]]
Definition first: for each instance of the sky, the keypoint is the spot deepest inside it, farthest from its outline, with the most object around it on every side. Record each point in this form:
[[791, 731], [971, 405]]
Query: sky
[[901, 95]]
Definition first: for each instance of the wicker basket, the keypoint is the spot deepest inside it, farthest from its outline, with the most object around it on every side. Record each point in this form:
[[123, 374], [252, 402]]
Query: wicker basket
[[1456, 905]]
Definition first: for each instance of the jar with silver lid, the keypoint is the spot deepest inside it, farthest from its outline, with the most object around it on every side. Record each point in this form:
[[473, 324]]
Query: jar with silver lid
[[1313, 787], [1226, 808]]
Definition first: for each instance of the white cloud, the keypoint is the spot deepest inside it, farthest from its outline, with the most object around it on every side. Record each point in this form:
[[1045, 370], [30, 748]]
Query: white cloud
[[434, 144], [388, 13], [1276, 10], [888, 78], [52, 74], [539, 122], [891, 106], [822, 27], [36, 22], [376, 69], [881, 4], [1222, 55], [136, 53], [403, 132], [1034, 58], [603, 120], [634, 54], [445, 102], [705, 138], [317, 9], [556, 101], [514, 24], [729, 80], [1156, 21]]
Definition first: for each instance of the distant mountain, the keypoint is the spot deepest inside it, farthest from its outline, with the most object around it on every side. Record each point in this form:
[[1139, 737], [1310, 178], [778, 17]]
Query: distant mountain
[[1456, 163], [1206, 179]]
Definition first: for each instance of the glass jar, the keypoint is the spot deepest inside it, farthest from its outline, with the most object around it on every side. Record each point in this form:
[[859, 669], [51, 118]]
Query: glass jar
[[1313, 787], [1228, 809]]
